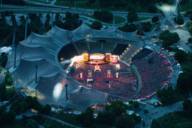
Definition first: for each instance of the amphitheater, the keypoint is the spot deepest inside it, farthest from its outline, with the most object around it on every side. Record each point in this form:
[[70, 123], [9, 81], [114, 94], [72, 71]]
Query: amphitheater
[[42, 61]]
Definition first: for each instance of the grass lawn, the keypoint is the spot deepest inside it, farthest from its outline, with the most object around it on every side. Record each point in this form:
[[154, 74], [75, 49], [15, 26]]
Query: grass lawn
[[119, 19], [143, 18]]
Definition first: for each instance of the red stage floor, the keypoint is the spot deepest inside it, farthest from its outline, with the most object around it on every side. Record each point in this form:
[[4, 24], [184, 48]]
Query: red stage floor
[[124, 86]]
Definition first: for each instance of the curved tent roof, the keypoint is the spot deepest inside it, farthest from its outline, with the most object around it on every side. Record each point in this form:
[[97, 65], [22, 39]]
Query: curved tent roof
[[26, 71]]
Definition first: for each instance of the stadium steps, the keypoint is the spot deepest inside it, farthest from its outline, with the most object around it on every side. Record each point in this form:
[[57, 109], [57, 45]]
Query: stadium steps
[[129, 53]]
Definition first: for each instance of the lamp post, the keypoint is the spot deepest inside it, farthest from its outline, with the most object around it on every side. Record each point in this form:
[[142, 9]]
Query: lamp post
[[66, 91], [14, 47], [26, 26], [36, 73]]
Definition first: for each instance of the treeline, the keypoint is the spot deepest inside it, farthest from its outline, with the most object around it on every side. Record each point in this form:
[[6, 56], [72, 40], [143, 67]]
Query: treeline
[[138, 5], [14, 2]]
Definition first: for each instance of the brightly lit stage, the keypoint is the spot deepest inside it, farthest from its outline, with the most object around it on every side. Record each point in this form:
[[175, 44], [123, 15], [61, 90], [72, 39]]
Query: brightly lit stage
[[106, 73]]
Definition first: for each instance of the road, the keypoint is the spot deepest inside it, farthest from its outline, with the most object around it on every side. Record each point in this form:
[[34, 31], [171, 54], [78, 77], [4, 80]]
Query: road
[[63, 9]]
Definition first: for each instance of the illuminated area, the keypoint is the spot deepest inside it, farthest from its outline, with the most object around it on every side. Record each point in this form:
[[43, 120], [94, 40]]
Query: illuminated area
[[167, 8], [58, 89], [126, 75], [105, 73], [96, 58]]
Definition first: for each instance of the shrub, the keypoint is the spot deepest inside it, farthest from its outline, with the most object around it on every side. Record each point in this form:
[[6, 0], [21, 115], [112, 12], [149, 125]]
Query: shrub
[[168, 38], [96, 25], [179, 20], [155, 19], [128, 28]]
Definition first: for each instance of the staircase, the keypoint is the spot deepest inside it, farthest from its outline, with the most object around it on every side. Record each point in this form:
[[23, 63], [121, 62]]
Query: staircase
[[129, 53]]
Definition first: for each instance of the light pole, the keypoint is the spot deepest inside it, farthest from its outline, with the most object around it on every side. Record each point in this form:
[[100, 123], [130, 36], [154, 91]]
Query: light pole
[[36, 73], [14, 47], [66, 91]]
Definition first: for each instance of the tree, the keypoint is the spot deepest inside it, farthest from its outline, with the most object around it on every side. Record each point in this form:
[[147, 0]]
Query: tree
[[13, 20], [128, 28], [6, 30], [190, 40], [146, 26], [21, 29], [179, 20], [124, 121], [155, 19], [96, 25], [32, 102], [36, 23], [22, 20], [132, 16], [7, 89], [181, 56], [140, 32], [155, 124], [8, 79], [47, 25], [57, 19], [133, 105], [72, 21], [190, 27], [168, 38], [2, 92], [127, 121], [116, 107], [190, 17], [184, 82], [46, 109], [104, 16], [91, 1], [30, 123], [6, 117], [187, 107], [106, 118], [14, 2], [3, 59], [86, 118], [168, 95], [19, 107], [24, 104]]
